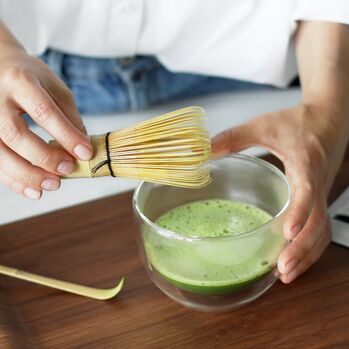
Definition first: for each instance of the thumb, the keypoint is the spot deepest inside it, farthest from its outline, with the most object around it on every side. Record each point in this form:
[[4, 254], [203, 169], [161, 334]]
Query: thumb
[[234, 139]]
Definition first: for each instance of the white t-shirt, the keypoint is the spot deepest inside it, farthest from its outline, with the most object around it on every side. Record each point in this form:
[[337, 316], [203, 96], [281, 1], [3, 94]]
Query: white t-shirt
[[241, 39]]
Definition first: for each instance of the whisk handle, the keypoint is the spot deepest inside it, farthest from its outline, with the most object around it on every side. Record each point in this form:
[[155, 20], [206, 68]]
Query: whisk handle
[[82, 168]]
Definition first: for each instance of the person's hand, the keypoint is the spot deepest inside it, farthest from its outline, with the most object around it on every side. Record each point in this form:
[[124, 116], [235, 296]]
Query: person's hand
[[28, 165], [311, 142]]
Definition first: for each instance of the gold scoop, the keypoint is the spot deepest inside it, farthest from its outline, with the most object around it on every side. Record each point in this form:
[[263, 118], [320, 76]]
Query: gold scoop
[[86, 291]]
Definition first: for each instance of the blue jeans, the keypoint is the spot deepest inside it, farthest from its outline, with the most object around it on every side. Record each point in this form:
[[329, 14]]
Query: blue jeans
[[110, 85]]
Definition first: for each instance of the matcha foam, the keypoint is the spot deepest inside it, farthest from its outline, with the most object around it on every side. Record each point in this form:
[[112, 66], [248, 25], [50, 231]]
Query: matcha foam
[[214, 266], [213, 218]]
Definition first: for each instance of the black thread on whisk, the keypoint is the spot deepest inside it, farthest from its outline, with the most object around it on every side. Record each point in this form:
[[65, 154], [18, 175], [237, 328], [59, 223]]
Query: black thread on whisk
[[105, 162], [108, 154]]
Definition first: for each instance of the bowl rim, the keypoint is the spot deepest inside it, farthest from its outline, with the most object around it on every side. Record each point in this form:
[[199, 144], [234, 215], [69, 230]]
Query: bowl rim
[[171, 234]]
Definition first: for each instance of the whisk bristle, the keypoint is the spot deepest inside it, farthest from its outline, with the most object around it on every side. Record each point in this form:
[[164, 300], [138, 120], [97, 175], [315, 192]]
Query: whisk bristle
[[171, 149]]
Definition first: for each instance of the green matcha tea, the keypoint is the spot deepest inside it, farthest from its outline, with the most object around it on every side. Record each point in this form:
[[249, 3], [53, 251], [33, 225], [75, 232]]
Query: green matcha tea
[[214, 266]]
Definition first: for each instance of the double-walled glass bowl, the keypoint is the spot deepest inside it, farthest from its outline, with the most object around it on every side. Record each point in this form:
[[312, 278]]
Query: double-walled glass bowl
[[215, 273]]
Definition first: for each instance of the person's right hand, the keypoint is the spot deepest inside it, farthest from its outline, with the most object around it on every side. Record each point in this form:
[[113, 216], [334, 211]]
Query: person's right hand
[[28, 165]]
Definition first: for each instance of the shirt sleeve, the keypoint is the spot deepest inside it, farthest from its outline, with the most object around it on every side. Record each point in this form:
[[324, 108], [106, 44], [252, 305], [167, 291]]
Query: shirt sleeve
[[322, 10]]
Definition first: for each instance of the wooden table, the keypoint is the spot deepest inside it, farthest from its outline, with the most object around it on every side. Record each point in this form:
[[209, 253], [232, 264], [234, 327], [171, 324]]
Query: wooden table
[[93, 244]]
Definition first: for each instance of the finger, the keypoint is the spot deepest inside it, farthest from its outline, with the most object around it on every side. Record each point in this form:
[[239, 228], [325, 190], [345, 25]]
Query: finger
[[235, 139], [15, 186], [64, 98], [310, 259], [15, 134], [23, 172], [303, 186], [20, 188], [304, 242], [34, 100]]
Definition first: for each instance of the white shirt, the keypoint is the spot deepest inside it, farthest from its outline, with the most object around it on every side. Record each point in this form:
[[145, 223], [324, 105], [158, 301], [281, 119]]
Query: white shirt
[[242, 39]]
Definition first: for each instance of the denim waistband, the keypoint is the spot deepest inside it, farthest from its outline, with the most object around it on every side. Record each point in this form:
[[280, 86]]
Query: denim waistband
[[102, 85]]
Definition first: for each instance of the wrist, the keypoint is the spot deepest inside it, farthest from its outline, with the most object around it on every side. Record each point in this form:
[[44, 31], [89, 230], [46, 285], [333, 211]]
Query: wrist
[[8, 43], [329, 113], [334, 96], [11, 54], [323, 68]]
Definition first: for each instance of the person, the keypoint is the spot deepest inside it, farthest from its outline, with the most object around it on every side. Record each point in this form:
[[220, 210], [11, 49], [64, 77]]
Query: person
[[127, 54]]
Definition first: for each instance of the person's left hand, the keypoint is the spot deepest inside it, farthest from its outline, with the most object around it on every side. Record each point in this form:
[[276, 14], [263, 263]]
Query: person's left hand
[[311, 142]]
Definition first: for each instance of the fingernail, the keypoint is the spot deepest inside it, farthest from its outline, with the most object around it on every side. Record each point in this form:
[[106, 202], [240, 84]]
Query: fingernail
[[50, 184], [65, 167], [32, 193], [290, 266], [294, 231], [82, 152]]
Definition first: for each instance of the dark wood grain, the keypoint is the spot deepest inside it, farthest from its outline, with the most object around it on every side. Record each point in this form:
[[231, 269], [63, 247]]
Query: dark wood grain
[[93, 244]]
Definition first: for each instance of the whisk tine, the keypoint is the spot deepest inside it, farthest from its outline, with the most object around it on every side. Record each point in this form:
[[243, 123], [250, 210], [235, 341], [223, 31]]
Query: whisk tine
[[171, 149]]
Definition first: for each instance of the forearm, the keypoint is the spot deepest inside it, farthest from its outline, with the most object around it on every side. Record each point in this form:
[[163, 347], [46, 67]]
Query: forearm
[[322, 50]]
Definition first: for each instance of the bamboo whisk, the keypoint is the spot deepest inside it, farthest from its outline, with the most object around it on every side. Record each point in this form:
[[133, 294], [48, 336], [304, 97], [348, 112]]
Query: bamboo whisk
[[171, 149]]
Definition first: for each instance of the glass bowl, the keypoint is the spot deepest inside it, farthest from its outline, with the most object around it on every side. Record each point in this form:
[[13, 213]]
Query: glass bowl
[[215, 273]]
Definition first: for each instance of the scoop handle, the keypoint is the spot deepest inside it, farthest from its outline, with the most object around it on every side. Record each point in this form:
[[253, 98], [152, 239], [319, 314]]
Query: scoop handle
[[91, 292]]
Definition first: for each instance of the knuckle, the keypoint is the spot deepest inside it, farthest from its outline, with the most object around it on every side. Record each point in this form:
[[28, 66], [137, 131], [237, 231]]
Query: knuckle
[[306, 157], [10, 133], [45, 161], [8, 181], [12, 184], [316, 152], [302, 247], [30, 178], [66, 138], [12, 73], [43, 111], [16, 73], [309, 187], [16, 186]]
